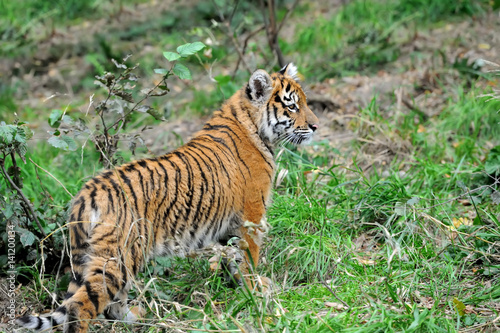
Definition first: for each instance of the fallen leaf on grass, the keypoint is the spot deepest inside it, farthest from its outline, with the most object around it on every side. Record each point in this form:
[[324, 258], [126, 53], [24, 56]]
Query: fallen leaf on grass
[[365, 261], [469, 309], [459, 306], [336, 306], [464, 202], [425, 301]]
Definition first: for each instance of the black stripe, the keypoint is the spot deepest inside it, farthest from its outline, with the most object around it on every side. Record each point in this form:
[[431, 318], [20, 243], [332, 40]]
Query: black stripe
[[277, 99], [79, 259], [204, 190], [165, 192], [173, 223], [93, 194], [248, 91], [194, 144], [76, 236], [141, 181], [137, 258], [210, 127], [124, 270], [183, 156], [218, 128], [110, 198], [80, 201], [62, 309], [40, 323], [112, 279], [107, 174], [106, 235], [268, 115], [152, 178], [77, 278], [223, 142], [119, 195], [93, 296], [127, 181]]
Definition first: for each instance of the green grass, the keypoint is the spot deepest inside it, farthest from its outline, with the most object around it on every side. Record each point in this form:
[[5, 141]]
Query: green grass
[[356, 40]]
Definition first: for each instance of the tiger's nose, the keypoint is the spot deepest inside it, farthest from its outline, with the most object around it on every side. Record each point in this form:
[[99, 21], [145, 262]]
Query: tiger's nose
[[314, 127]]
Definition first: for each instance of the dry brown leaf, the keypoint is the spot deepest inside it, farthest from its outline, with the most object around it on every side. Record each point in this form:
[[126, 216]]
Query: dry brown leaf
[[336, 306], [365, 261]]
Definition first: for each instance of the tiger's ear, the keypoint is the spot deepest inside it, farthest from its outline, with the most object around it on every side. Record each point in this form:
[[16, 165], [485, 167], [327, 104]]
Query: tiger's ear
[[291, 71], [260, 87]]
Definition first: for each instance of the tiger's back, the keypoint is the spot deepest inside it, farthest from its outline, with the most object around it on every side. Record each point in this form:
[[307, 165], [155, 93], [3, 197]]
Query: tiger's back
[[185, 200]]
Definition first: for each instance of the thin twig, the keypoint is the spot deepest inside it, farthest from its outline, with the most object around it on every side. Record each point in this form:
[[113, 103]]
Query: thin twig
[[245, 44], [51, 175], [288, 12], [237, 2], [142, 100], [237, 47], [230, 33], [271, 30]]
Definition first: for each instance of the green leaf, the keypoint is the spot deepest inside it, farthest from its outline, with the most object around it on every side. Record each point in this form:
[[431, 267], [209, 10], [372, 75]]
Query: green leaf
[[22, 149], [223, 79], [64, 142], [391, 291], [413, 201], [55, 118], [171, 56], [190, 48], [7, 133], [161, 71], [27, 237], [68, 120], [182, 71], [156, 114], [492, 164], [20, 136], [143, 108]]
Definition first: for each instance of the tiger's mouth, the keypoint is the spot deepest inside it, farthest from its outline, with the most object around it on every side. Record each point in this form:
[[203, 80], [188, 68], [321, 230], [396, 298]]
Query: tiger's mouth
[[297, 137]]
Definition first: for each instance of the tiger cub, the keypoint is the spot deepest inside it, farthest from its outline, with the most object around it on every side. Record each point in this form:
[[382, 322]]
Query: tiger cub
[[211, 188]]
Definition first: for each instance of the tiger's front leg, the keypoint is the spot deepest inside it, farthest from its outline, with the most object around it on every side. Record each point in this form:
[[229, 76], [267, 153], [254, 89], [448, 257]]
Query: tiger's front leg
[[252, 233], [251, 241]]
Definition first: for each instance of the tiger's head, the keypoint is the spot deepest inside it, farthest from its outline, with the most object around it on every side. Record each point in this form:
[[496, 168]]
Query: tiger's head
[[283, 114]]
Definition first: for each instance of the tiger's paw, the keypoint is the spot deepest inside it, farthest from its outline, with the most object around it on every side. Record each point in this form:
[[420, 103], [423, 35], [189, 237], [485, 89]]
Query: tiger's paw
[[228, 260], [258, 283], [136, 312]]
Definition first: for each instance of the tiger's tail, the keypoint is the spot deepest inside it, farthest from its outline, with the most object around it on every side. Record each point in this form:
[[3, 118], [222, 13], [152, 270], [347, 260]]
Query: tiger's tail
[[56, 318], [86, 298]]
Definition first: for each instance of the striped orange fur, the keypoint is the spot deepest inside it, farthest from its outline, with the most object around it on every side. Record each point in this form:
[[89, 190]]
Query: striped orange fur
[[211, 188]]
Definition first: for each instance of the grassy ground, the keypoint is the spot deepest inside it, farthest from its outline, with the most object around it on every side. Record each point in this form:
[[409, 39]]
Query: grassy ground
[[389, 222]]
